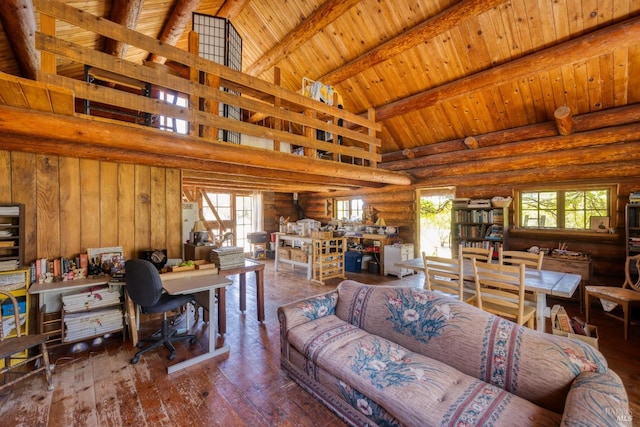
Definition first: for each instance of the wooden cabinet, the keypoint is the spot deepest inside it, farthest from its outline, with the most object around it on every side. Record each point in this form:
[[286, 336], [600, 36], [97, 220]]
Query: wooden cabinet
[[397, 253], [11, 236], [17, 283], [328, 258], [632, 228], [479, 227]]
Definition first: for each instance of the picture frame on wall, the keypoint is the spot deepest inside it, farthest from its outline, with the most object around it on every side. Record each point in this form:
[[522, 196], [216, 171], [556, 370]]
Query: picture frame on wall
[[599, 224]]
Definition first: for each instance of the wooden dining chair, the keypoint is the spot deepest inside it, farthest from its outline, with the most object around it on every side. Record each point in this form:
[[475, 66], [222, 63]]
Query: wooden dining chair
[[445, 275], [626, 296], [23, 355], [529, 259], [481, 254], [500, 290]]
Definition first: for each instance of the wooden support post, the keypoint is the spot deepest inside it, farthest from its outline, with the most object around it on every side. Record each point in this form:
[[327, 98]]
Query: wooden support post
[[564, 120], [310, 133], [194, 76], [48, 60], [371, 115]]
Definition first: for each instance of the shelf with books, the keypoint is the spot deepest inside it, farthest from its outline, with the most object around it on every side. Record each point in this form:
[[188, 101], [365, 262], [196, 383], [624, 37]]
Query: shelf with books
[[632, 228], [480, 227], [11, 236]]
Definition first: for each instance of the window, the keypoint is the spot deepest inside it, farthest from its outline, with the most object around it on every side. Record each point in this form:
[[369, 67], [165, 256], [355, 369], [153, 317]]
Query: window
[[169, 123], [234, 213], [564, 208], [349, 209]]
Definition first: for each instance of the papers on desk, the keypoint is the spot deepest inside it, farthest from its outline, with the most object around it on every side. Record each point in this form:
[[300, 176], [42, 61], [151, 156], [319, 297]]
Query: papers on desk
[[228, 257], [96, 297], [92, 323]]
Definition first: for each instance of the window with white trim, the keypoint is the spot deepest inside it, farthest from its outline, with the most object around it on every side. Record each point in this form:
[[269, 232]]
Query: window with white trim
[[349, 209], [570, 209]]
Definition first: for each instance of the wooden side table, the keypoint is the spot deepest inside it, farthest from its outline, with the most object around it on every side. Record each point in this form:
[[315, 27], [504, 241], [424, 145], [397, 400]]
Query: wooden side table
[[580, 266]]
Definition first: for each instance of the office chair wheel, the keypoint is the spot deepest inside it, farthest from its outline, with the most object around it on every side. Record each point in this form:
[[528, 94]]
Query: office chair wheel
[[192, 341], [135, 359], [171, 356], [140, 344]]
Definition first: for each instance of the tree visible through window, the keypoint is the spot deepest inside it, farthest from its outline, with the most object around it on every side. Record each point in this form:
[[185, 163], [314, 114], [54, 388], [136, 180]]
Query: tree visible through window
[[569, 209], [349, 209]]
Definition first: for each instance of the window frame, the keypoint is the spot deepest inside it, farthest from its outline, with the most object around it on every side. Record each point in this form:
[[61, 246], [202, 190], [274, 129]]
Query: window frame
[[612, 208], [351, 201]]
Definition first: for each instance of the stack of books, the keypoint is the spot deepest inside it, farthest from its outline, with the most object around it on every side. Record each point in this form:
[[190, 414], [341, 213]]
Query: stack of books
[[96, 297], [88, 324], [634, 197], [228, 257]]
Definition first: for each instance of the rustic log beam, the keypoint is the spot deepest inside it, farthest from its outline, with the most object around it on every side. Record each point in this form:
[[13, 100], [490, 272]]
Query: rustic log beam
[[426, 30], [589, 147], [125, 13], [471, 143], [328, 12], [19, 23], [618, 36], [564, 120], [74, 131], [231, 8], [175, 26], [584, 122]]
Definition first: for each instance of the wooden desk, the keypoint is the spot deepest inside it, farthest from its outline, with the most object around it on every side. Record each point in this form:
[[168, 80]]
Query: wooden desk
[[542, 282], [192, 285], [249, 266]]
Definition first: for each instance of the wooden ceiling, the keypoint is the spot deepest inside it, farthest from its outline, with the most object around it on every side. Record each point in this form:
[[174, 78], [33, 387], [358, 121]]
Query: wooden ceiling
[[435, 71]]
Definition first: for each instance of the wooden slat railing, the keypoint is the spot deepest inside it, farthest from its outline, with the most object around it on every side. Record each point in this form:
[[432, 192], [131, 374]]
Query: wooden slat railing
[[256, 95]]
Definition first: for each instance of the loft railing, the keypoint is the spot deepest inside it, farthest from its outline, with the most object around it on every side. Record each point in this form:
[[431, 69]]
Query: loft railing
[[303, 116]]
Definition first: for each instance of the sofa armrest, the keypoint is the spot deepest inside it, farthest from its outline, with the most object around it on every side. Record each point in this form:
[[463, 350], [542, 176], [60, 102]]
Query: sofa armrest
[[597, 399], [302, 311]]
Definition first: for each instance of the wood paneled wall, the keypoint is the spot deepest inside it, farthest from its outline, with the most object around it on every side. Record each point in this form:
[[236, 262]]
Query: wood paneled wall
[[73, 204]]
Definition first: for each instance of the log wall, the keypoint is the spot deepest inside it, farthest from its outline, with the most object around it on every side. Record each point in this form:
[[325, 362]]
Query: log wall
[[73, 204]]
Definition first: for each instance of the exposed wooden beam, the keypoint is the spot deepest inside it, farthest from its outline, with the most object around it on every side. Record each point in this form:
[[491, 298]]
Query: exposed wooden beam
[[418, 156], [564, 120], [328, 12], [426, 30], [126, 13], [71, 132], [176, 25], [621, 35], [19, 23], [231, 8], [603, 145]]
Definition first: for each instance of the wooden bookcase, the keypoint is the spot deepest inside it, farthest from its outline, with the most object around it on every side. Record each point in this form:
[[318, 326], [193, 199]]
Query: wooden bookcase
[[632, 228], [480, 227], [328, 259]]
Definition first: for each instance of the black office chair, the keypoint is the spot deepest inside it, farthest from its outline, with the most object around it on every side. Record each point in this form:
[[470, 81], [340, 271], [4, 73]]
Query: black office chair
[[145, 289]]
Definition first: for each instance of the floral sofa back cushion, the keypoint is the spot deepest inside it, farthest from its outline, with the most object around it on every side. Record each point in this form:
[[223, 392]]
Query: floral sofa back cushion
[[536, 366]]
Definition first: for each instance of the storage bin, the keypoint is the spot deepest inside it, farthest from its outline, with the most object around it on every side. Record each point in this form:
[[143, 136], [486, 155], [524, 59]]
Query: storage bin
[[284, 253], [365, 261], [374, 267], [353, 262]]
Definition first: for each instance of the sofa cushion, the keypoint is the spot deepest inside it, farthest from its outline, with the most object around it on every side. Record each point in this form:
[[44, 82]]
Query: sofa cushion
[[536, 366], [414, 389]]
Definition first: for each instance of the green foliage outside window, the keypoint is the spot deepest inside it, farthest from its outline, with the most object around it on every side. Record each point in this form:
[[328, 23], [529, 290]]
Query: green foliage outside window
[[563, 209]]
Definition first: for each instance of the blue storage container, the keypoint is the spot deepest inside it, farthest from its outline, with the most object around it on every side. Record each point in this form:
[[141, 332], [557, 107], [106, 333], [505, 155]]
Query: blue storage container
[[353, 262], [7, 306]]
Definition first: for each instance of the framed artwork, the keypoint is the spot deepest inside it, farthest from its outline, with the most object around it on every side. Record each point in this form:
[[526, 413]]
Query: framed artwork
[[599, 224]]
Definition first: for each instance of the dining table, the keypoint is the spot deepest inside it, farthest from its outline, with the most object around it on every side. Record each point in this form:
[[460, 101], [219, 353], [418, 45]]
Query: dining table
[[540, 282]]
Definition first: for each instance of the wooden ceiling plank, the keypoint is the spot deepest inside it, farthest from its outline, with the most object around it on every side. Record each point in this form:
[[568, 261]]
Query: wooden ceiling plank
[[619, 35], [328, 12]]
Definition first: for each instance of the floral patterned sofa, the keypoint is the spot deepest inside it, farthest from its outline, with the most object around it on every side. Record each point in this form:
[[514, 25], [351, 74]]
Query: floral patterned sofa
[[387, 355]]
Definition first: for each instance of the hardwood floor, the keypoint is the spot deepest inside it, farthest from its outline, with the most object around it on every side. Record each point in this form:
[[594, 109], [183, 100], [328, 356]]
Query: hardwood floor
[[99, 387]]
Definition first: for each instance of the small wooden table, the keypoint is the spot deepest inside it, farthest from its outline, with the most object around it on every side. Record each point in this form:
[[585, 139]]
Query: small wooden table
[[249, 266], [191, 285], [542, 282]]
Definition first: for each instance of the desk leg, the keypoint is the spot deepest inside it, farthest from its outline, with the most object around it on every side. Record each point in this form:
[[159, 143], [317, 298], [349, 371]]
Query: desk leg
[[260, 294], [243, 291], [222, 311], [213, 337], [541, 307]]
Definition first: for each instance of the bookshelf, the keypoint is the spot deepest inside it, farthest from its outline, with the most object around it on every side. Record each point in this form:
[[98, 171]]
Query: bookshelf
[[478, 226], [11, 236], [17, 283], [632, 228]]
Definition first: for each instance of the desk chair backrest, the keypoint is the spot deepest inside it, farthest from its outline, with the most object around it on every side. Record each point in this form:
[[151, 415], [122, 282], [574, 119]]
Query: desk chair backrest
[[520, 257], [143, 282]]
